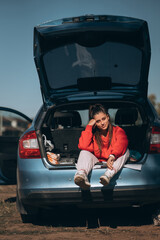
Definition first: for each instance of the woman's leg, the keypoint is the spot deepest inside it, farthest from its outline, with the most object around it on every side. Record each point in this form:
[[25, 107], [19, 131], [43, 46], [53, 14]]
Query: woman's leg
[[85, 164], [119, 163], [86, 161], [117, 166]]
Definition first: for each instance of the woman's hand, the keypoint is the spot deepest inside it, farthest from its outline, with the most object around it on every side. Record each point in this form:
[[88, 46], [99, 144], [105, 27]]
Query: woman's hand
[[110, 162], [92, 122]]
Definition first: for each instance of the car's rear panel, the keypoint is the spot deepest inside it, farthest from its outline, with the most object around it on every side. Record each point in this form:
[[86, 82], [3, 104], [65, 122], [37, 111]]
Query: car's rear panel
[[41, 186], [42, 183]]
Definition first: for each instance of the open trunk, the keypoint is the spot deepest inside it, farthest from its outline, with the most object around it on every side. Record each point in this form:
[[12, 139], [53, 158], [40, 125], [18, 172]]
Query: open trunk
[[63, 125]]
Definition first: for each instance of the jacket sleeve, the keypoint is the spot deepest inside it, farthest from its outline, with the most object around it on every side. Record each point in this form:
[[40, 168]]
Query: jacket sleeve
[[86, 139], [121, 143]]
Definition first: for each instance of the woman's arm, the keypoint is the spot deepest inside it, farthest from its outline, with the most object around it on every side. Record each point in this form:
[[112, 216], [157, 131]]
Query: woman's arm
[[86, 138], [120, 143]]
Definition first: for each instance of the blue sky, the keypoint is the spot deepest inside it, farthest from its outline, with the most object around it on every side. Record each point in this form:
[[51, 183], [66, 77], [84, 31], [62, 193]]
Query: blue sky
[[19, 84]]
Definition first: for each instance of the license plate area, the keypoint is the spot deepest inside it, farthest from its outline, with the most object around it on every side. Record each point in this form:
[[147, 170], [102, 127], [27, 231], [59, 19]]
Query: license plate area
[[66, 161]]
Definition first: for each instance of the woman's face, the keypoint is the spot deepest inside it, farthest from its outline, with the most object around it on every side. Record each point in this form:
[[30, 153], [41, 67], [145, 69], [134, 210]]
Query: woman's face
[[102, 120]]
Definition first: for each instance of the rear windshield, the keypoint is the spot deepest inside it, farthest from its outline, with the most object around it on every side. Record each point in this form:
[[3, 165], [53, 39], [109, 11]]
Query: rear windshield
[[119, 61]]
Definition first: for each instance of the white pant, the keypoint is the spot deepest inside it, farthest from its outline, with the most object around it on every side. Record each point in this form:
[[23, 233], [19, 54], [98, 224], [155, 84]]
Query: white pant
[[87, 160]]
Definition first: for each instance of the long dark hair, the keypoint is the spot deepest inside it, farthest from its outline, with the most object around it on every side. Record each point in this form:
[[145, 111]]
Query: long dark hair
[[93, 110]]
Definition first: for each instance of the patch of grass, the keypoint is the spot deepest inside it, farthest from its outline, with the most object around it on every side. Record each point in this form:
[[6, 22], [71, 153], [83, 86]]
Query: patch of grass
[[6, 208]]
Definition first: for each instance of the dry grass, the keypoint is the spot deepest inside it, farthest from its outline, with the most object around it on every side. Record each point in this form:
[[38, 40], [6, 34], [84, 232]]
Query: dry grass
[[11, 226]]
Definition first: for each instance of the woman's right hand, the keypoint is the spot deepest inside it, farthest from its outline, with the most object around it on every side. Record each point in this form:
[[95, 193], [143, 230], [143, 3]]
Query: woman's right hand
[[92, 122]]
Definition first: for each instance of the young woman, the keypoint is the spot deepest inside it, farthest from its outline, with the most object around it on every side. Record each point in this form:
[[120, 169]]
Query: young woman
[[100, 142]]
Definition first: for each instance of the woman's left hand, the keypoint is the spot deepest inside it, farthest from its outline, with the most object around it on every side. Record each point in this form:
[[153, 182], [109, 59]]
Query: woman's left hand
[[110, 162]]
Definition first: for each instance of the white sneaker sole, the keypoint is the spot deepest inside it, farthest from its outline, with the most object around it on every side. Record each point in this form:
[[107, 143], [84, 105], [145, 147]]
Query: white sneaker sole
[[80, 181], [104, 180]]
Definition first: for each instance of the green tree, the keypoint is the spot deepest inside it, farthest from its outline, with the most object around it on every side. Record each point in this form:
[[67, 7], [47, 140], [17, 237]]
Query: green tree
[[154, 102]]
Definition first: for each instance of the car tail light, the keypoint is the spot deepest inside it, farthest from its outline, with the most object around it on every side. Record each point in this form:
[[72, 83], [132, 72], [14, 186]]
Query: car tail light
[[28, 146], [155, 140]]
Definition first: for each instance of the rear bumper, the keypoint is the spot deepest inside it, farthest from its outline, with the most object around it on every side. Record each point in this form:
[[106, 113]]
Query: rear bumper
[[41, 187], [104, 197]]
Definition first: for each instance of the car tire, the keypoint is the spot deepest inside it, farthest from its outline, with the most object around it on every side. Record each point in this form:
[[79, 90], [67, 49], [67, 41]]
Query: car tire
[[29, 218], [28, 214]]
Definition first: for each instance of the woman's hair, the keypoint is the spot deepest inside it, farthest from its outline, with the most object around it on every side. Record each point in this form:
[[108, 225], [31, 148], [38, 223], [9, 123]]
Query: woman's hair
[[93, 110]]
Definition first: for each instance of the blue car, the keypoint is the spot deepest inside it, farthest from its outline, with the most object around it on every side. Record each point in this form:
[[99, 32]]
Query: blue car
[[81, 61]]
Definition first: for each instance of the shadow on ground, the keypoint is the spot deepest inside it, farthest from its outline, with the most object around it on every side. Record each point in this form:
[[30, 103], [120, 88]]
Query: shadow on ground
[[94, 218], [10, 200]]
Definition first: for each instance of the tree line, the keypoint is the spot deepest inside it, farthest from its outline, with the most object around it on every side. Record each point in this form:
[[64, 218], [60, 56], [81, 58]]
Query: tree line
[[154, 102]]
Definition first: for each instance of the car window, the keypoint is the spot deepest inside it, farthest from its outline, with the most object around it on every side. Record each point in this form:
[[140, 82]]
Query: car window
[[126, 116], [138, 121], [12, 124], [68, 63], [112, 113], [84, 114]]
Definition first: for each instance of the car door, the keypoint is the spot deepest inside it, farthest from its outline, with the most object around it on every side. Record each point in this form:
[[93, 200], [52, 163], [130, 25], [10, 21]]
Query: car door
[[12, 124]]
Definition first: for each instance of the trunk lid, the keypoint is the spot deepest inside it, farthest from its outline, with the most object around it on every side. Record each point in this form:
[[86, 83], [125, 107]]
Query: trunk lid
[[92, 53]]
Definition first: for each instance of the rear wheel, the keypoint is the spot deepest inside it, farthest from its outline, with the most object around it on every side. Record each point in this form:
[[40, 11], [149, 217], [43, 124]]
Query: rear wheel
[[28, 213], [29, 218]]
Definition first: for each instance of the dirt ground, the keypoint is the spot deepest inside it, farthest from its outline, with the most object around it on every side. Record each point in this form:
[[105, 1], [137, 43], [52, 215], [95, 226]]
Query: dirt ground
[[112, 224]]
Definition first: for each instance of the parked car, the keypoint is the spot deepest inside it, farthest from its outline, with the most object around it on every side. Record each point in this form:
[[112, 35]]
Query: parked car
[[12, 124], [81, 61]]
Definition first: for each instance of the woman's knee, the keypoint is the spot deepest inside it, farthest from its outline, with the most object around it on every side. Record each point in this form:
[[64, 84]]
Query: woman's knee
[[126, 155], [84, 153]]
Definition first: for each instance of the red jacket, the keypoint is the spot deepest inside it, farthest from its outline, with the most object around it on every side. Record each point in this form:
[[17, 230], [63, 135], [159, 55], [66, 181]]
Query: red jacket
[[117, 147]]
